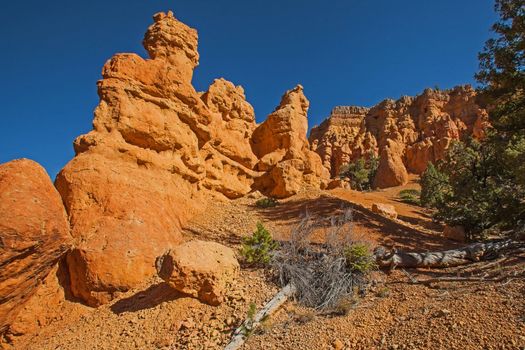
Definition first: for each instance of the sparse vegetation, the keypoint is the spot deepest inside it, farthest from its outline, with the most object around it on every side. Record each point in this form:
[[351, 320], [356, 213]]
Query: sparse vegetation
[[324, 275], [434, 185], [266, 202], [383, 292], [359, 259], [480, 185], [257, 249], [247, 328], [251, 311], [361, 172], [410, 196], [344, 306]]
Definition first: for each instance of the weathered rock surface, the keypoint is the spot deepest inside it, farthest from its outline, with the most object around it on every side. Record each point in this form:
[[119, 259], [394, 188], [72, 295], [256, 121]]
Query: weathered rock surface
[[281, 144], [34, 234], [387, 210], [201, 269], [135, 177], [406, 134], [159, 149]]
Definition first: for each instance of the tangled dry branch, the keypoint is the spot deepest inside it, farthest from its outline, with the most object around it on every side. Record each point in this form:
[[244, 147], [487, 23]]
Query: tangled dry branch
[[320, 272]]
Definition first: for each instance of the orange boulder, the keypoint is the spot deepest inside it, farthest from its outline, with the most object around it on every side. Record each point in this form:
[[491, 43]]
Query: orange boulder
[[34, 234], [200, 269]]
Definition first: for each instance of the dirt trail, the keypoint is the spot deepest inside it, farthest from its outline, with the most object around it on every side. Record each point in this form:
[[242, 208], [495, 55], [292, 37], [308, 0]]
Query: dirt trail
[[394, 315]]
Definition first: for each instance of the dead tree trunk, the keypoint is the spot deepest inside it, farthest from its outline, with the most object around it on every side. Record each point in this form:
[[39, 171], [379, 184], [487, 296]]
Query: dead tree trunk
[[241, 333], [455, 257]]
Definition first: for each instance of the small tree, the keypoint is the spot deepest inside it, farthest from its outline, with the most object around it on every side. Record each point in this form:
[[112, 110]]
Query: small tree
[[266, 202], [410, 196], [361, 172], [434, 185], [257, 248]]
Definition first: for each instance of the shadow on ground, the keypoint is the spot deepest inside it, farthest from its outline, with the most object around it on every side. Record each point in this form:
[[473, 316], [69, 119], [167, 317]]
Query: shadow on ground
[[384, 231], [147, 299]]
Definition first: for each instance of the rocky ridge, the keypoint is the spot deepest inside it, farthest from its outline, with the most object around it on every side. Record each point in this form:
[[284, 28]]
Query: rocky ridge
[[406, 133]]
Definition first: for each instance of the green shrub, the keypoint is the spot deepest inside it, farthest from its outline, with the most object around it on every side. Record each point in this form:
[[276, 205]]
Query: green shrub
[[361, 172], [251, 311], [266, 202], [410, 196], [257, 248], [247, 326], [359, 258], [434, 186]]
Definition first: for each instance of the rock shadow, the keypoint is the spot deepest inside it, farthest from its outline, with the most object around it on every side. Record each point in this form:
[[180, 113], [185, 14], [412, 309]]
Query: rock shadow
[[154, 295], [391, 233]]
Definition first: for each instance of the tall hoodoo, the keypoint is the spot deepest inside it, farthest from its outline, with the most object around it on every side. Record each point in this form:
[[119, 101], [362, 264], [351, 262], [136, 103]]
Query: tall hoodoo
[[284, 151], [158, 149]]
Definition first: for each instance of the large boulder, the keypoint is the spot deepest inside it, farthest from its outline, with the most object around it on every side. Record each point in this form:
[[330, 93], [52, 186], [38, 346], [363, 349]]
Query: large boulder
[[34, 234], [203, 270], [283, 149]]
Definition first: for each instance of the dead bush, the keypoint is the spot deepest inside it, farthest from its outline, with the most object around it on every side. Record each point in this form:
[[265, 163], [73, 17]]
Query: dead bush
[[324, 274]]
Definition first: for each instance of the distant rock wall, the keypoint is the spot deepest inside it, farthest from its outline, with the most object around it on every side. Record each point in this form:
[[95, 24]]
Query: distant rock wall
[[407, 134]]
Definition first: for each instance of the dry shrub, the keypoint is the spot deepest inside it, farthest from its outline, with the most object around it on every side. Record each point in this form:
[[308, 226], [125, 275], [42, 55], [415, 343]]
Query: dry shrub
[[323, 274]]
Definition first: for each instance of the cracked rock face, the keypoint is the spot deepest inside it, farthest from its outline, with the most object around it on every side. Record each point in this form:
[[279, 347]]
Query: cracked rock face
[[407, 134], [34, 234], [159, 149]]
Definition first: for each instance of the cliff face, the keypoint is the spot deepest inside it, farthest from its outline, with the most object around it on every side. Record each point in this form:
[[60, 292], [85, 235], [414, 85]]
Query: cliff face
[[159, 149], [406, 134]]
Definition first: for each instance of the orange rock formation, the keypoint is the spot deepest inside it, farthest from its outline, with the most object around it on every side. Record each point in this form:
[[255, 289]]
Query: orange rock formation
[[283, 149], [158, 149], [34, 234], [406, 134]]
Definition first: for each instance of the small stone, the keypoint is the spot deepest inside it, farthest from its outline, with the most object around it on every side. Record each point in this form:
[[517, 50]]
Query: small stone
[[338, 344], [188, 324], [230, 321]]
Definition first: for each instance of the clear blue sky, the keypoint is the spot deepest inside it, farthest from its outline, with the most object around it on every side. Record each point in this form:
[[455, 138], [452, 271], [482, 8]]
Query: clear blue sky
[[342, 51]]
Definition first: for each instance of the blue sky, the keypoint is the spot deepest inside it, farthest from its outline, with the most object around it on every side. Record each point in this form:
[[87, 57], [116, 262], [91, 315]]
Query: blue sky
[[356, 52]]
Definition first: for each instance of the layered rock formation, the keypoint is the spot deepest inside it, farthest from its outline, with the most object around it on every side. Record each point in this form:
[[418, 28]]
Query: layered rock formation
[[34, 234], [159, 149], [283, 149], [406, 134]]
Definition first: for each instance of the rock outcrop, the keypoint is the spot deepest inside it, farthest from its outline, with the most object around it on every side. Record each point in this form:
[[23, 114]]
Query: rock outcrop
[[159, 149], [34, 234], [406, 134], [200, 269], [283, 149]]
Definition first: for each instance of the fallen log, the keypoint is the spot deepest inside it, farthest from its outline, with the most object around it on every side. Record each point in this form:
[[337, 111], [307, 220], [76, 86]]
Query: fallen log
[[455, 257], [249, 325]]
